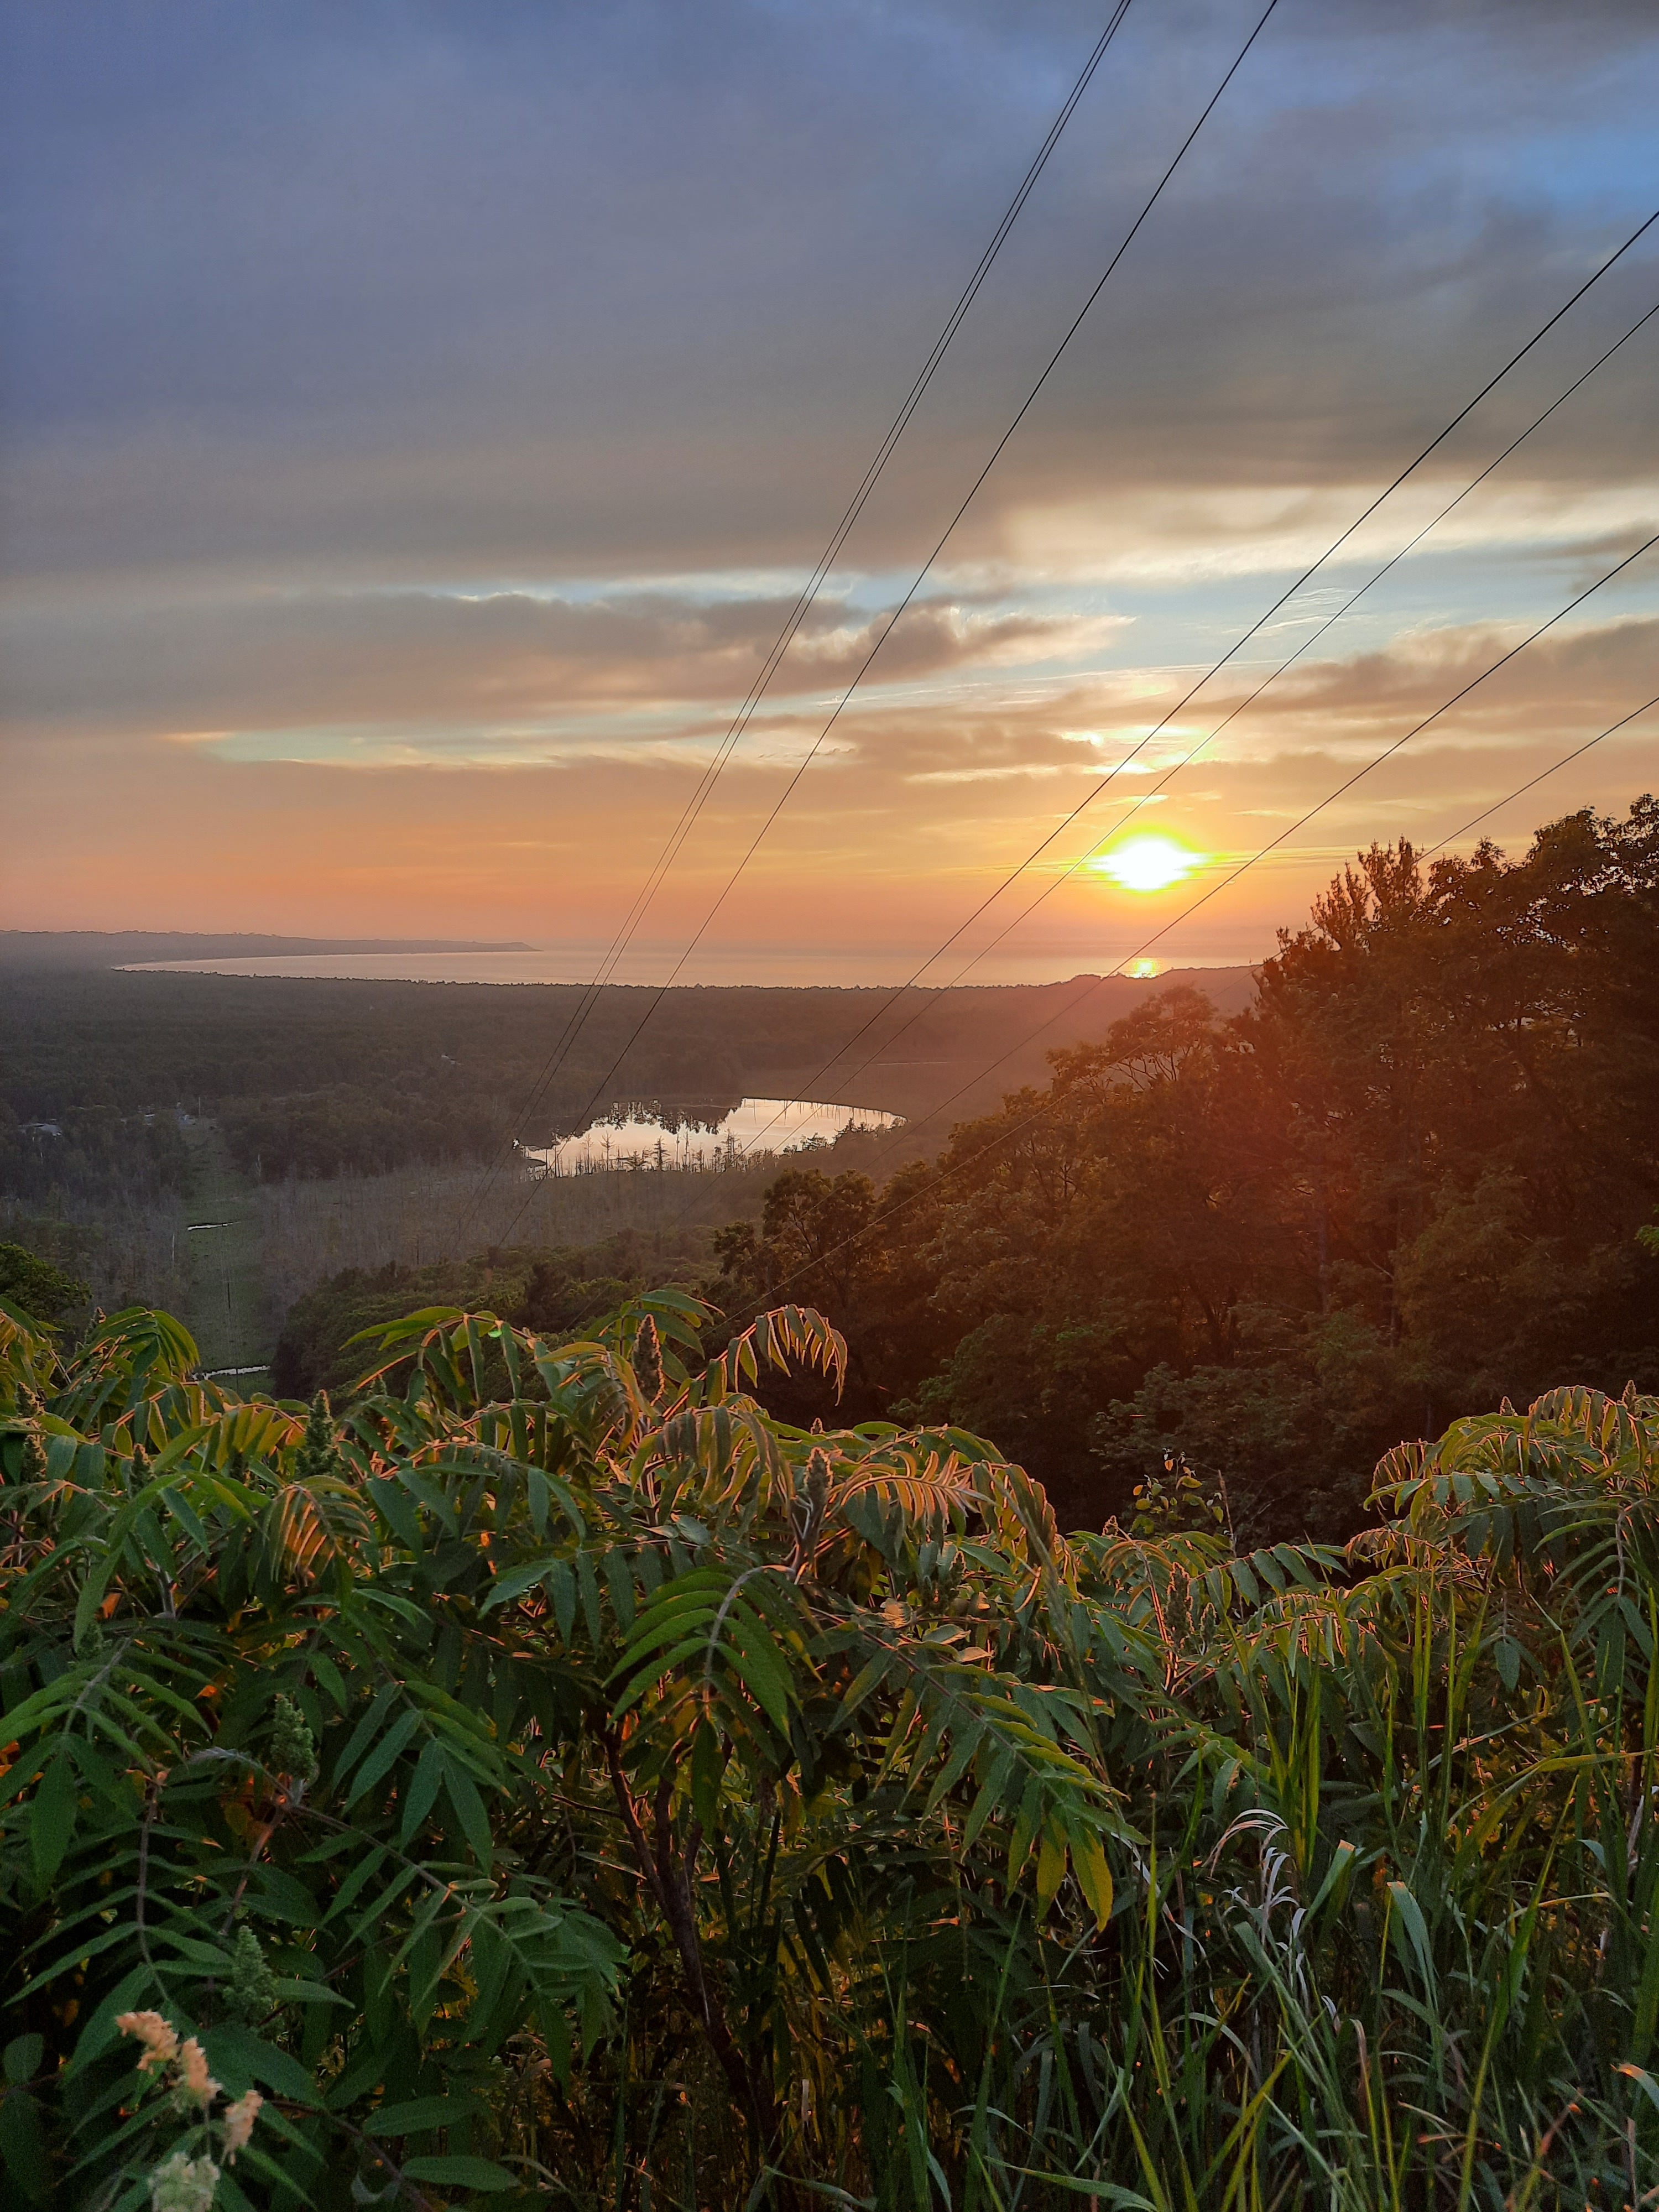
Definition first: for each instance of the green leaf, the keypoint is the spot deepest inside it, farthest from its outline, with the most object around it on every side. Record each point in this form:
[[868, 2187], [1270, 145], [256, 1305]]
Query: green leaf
[[358, 1880], [1342, 1860], [419, 2113], [329, 1675], [620, 1583], [464, 1797], [423, 1791], [23, 2144], [507, 1588], [45, 1703], [762, 1666], [564, 1598], [706, 1774], [22, 2057], [869, 1678], [239, 2058], [381, 1760], [399, 1511], [662, 1626], [52, 1817], [536, 1497], [363, 1734], [1416, 1931], [589, 1584], [465, 2173]]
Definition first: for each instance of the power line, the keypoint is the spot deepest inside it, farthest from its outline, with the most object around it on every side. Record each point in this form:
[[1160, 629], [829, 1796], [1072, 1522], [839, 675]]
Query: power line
[[1335, 547], [810, 591], [1030, 1119], [1579, 383], [1145, 798], [893, 620], [1388, 751], [1543, 775]]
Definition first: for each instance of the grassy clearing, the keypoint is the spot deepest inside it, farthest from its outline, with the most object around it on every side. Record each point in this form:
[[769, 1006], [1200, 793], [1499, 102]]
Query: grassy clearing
[[311, 1228], [226, 1302]]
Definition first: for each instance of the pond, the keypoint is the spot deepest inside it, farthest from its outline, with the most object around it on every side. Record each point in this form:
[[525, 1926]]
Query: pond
[[706, 1134]]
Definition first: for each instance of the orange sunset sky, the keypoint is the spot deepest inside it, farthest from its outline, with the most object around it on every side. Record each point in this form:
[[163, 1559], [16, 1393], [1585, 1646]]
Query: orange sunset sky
[[418, 421]]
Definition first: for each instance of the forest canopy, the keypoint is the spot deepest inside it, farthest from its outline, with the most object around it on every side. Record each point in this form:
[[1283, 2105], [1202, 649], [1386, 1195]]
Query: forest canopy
[[1410, 1177], [312, 1077]]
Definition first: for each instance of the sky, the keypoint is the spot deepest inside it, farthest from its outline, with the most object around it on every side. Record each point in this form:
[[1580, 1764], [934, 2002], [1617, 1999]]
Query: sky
[[418, 420]]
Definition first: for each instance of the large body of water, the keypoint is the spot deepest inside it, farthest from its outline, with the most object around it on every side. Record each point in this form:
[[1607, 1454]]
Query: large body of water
[[637, 1136], [792, 966]]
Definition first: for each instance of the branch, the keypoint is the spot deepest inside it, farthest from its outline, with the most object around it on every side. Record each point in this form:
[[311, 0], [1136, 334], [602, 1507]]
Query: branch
[[667, 1875]]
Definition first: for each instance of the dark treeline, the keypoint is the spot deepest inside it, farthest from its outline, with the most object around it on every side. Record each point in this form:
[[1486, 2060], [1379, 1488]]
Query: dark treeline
[[1408, 1179], [309, 1077]]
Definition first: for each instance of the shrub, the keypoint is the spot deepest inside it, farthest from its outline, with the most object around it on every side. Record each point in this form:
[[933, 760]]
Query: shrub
[[557, 1776]]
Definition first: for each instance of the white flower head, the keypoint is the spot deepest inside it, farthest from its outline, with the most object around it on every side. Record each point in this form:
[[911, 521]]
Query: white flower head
[[183, 2184]]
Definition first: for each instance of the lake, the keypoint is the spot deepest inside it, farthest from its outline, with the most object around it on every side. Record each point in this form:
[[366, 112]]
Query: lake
[[704, 1133]]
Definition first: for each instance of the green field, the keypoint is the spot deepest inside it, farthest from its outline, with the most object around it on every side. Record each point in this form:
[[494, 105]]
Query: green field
[[225, 1303]]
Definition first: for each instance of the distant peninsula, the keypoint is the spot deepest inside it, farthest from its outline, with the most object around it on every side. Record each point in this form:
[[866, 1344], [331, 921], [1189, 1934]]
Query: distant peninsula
[[118, 948]]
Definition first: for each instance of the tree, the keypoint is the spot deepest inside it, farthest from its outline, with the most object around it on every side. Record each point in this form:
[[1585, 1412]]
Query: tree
[[1411, 1175], [35, 1288]]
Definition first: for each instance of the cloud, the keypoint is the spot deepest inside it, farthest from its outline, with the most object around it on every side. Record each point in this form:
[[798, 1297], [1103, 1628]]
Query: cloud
[[513, 672], [1587, 674], [401, 387], [575, 292]]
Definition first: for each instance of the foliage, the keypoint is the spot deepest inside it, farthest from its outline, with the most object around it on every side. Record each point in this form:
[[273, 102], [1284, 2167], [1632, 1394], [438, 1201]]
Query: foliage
[[1178, 1498], [315, 1076], [43, 1292], [1411, 1176], [556, 1776], [295, 1702], [265, 1780], [821, 1236], [83, 1147]]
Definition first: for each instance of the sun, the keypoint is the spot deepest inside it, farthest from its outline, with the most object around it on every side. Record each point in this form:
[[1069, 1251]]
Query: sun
[[1148, 864]]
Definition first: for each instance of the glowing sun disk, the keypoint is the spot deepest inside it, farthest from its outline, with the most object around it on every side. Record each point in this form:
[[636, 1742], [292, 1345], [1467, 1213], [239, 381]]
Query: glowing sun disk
[[1148, 864]]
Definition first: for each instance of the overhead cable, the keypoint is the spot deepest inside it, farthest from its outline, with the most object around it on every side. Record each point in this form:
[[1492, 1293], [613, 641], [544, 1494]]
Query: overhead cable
[[1029, 1121], [814, 584], [1543, 775], [1025, 406], [936, 991]]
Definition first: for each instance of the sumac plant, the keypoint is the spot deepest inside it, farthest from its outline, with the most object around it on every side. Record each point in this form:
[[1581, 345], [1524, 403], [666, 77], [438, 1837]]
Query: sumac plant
[[550, 1777]]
